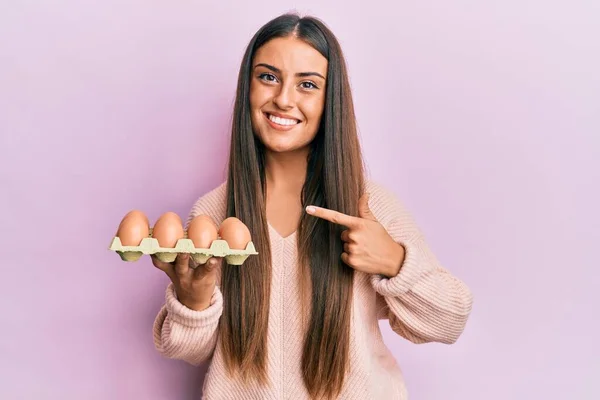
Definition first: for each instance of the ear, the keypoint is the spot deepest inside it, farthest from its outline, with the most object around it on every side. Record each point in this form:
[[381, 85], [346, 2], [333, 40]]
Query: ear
[[363, 208]]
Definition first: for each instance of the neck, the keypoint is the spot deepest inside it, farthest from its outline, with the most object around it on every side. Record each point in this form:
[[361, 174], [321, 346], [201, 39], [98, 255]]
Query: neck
[[286, 171]]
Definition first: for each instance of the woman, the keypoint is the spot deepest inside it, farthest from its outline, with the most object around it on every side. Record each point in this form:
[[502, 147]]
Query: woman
[[336, 252]]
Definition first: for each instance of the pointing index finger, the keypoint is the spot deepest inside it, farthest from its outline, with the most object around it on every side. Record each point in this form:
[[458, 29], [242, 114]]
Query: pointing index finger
[[333, 216]]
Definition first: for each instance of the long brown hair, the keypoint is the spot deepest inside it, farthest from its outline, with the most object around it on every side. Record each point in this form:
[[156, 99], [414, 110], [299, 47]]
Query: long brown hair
[[334, 180]]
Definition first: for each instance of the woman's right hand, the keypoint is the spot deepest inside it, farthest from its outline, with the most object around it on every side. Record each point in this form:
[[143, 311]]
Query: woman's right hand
[[194, 286]]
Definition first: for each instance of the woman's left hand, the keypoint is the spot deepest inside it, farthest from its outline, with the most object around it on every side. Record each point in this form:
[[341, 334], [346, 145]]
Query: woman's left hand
[[368, 247]]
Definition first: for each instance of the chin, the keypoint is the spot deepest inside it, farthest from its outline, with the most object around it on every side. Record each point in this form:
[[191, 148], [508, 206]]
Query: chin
[[282, 142], [283, 147], [276, 144], [280, 148]]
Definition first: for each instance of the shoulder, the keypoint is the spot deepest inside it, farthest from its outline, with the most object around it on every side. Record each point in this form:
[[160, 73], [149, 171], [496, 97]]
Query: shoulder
[[212, 203], [386, 205], [382, 198]]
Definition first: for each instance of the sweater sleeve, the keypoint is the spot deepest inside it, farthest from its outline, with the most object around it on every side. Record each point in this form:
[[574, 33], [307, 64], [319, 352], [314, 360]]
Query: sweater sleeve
[[424, 302], [185, 334], [180, 332]]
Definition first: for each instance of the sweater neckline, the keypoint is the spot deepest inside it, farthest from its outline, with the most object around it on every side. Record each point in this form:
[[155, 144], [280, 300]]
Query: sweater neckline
[[279, 236]]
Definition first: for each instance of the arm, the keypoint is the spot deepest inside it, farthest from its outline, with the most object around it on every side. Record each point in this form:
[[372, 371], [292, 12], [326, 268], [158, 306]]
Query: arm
[[184, 334], [424, 302], [180, 332]]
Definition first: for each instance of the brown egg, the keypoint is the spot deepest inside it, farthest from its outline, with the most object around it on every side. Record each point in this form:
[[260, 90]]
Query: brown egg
[[168, 230], [235, 232], [202, 231], [133, 228]]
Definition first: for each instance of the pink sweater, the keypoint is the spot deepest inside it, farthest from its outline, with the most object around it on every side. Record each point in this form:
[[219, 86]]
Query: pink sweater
[[423, 303]]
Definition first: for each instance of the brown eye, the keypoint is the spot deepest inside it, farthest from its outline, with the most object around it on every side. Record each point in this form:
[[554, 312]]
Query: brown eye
[[267, 77], [308, 85]]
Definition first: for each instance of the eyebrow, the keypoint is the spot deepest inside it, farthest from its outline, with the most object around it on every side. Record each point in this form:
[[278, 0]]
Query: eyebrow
[[299, 74]]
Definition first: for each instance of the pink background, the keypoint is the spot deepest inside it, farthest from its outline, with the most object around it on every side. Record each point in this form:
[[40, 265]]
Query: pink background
[[483, 118]]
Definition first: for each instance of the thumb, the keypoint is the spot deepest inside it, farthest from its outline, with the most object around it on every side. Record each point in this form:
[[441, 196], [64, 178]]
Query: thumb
[[363, 208]]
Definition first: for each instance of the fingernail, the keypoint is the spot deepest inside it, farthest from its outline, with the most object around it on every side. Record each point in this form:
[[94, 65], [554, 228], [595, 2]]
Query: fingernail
[[212, 262], [310, 209]]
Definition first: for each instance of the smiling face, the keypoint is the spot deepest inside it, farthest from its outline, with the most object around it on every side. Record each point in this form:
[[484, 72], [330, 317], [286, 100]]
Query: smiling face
[[287, 94]]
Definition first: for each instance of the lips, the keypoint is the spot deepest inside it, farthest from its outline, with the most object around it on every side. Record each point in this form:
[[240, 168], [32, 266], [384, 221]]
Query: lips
[[281, 122]]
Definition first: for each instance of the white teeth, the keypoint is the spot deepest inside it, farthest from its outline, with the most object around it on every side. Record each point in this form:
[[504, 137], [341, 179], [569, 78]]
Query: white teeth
[[282, 121]]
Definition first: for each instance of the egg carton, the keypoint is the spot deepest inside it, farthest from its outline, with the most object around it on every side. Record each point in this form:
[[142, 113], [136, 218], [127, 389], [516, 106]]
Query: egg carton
[[149, 245]]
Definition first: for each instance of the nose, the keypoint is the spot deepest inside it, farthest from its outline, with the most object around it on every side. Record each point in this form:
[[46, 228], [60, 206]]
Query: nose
[[285, 98]]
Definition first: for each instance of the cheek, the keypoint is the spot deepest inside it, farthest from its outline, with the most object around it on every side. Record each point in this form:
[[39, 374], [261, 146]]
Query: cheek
[[258, 96], [257, 101], [254, 96], [314, 111]]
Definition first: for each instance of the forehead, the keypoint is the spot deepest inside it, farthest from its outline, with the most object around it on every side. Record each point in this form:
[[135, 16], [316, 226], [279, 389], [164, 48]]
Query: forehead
[[291, 55]]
